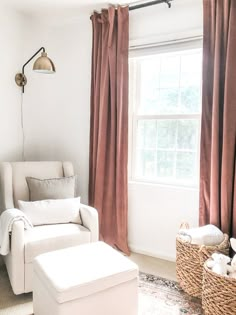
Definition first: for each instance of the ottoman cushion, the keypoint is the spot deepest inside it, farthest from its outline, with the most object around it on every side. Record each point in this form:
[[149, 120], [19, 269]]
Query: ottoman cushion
[[83, 270]]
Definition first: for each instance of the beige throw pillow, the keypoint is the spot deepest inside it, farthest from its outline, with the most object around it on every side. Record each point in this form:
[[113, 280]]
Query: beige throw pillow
[[53, 188], [52, 211]]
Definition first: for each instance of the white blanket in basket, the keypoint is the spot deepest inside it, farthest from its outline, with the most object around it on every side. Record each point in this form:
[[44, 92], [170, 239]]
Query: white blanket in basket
[[208, 235]]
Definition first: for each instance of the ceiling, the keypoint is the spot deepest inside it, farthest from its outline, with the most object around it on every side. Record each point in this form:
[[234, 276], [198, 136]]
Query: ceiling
[[44, 6]]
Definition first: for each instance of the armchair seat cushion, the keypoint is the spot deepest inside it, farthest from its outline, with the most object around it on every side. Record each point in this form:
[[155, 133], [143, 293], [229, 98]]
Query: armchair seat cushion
[[46, 238]]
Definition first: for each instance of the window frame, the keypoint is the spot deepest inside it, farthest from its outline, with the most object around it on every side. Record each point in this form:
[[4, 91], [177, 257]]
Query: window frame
[[135, 117]]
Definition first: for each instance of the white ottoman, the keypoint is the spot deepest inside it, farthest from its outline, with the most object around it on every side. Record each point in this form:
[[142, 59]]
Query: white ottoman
[[90, 279]]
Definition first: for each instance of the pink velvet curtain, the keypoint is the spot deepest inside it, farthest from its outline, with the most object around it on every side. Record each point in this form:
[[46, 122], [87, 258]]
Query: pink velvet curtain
[[109, 124], [218, 137]]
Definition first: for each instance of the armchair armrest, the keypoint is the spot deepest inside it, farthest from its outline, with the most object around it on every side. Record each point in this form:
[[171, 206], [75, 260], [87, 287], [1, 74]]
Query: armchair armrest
[[12, 245], [89, 217], [7, 220], [15, 259]]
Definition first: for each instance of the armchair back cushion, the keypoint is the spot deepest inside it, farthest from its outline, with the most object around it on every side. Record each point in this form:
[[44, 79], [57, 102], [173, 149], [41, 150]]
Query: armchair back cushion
[[13, 184]]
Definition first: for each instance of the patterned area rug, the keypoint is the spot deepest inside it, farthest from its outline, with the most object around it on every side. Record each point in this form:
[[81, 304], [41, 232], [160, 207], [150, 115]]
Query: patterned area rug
[[160, 296], [157, 296]]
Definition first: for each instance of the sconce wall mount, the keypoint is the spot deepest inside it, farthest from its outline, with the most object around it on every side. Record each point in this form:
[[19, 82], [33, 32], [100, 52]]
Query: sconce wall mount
[[43, 64]]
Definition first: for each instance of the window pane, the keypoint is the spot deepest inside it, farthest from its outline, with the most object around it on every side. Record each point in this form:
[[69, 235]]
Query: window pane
[[149, 85], [165, 163], [168, 101], [190, 99], [185, 165], [169, 76], [170, 83], [149, 105], [191, 63], [190, 79], [147, 134], [146, 162], [170, 63], [187, 134], [166, 134], [169, 80]]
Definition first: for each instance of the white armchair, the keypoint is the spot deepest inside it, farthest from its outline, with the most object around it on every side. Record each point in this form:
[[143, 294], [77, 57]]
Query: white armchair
[[27, 244]]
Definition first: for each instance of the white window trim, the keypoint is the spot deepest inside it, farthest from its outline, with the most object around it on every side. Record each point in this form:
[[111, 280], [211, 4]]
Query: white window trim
[[142, 51]]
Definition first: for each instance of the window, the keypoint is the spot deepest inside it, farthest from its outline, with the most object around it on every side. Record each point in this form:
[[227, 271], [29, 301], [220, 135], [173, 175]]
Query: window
[[165, 97]]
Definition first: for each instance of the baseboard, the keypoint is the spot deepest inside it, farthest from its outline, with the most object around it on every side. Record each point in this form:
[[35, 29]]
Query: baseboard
[[147, 252]]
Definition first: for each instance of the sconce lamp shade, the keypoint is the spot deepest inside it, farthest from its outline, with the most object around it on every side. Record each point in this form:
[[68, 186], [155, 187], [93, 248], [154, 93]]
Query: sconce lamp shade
[[44, 64]]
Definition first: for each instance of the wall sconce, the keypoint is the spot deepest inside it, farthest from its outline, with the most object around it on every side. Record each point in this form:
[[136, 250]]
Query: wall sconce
[[43, 64]]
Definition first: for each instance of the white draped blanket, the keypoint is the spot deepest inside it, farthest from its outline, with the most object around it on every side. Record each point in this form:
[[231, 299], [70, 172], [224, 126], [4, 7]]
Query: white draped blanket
[[208, 235], [7, 218]]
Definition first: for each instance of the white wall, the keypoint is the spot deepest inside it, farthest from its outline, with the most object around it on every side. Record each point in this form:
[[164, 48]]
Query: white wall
[[12, 30], [57, 106], [159, 24], [57, 114], [11, 34], [156, 211]]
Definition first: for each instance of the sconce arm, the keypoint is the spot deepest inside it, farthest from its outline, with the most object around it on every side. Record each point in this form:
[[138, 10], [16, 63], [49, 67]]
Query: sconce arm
[[23, 68]]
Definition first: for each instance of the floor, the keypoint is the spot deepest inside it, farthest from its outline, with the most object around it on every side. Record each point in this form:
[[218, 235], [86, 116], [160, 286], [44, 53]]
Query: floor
[[155, 266], [11, 304]]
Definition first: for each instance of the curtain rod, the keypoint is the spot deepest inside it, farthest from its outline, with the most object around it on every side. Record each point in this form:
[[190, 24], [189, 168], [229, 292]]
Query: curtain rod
[[148, 4]]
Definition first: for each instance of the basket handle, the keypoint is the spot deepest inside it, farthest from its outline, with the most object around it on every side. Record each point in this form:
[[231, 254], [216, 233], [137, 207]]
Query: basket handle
[[184, 225]]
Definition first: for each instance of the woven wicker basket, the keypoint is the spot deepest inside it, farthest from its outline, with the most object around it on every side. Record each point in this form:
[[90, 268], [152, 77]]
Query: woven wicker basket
[[190, 259], [218, 293]]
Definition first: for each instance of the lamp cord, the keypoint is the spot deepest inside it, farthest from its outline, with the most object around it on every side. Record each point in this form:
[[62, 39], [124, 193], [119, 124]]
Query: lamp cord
[[22, 128]]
